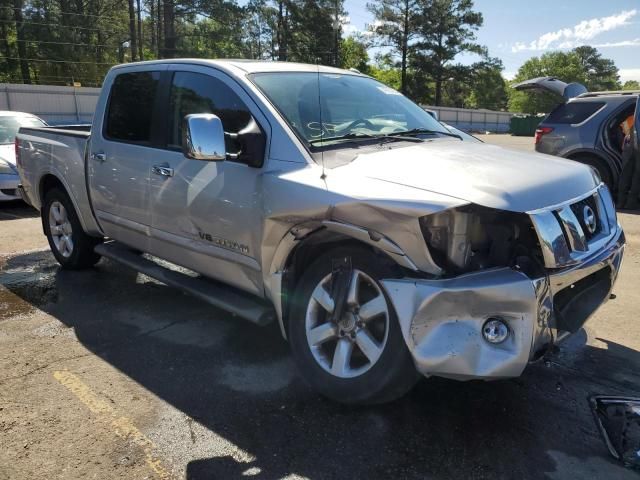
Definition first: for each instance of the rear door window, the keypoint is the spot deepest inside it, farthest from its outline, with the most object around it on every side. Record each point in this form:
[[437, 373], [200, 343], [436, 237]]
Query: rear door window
[[574, 112], [131, 107]]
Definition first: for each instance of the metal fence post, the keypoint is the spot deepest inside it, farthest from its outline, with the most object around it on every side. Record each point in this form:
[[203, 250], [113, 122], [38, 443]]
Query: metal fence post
[[6, 92], [75, 101]]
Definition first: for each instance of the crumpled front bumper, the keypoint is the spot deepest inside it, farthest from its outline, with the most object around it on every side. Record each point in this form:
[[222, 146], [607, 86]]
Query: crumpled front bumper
[[441, 320]]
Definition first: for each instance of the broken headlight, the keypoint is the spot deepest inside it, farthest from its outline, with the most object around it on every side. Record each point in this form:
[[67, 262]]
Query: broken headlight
[[471, 238]]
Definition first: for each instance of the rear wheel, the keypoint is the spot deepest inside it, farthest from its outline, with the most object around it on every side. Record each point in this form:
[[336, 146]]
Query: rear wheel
[[360, 357], [71, 246]]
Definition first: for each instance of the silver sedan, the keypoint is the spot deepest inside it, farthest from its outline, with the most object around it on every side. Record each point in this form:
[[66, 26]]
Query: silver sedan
[[10, 123]]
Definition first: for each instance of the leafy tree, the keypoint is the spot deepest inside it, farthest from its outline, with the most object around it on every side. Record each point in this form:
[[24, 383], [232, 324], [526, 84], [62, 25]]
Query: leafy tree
[[353, 54], [631, 85], [487, 86], [260, 27], [397, 25], [446, 29], [313, 28], [390, 77], [62, 41], [601, 73]]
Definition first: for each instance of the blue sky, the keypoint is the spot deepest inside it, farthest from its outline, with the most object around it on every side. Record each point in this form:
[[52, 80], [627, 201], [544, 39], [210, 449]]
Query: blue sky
[[516, 30]]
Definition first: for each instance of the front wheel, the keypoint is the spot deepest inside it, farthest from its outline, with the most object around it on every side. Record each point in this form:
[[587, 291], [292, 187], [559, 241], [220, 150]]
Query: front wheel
[[357, 356]]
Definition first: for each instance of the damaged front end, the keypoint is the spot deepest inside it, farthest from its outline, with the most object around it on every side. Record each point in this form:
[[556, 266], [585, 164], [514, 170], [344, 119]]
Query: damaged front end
[[512, 284]]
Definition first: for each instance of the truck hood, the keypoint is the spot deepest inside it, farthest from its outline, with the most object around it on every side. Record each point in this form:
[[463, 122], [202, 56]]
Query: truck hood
[[483, 174], [8, 153]]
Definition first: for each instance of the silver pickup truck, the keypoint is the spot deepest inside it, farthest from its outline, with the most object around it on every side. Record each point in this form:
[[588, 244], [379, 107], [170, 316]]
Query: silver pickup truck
[[383, 245]]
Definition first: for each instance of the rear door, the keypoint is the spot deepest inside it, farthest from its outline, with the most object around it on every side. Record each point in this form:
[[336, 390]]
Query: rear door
[[207, 216], [553, 85], [121, 155]]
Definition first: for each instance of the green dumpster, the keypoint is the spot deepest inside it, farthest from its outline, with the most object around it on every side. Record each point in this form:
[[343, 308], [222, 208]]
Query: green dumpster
[[524, 125]]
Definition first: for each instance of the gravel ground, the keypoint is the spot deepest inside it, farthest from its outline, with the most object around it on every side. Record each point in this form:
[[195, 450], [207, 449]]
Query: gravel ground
[[108, 374]]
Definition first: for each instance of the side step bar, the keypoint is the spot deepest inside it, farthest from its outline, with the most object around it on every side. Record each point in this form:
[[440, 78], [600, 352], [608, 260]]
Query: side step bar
[[215, 293]]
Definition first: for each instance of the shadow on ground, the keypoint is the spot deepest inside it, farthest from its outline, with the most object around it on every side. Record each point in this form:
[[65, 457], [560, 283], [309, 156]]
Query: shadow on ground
[[16, 209], [237, 380]]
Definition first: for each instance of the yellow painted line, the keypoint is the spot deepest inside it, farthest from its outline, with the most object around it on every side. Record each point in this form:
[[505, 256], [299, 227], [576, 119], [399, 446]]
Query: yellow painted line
[[122, 426]]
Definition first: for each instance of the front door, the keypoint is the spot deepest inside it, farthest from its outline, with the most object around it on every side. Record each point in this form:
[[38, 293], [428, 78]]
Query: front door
[[206, 216], [121, 154], [629, 184]]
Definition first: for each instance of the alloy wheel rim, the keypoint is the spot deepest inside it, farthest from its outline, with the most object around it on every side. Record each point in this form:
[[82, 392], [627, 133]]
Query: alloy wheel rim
[[353, 344], [61, 230]]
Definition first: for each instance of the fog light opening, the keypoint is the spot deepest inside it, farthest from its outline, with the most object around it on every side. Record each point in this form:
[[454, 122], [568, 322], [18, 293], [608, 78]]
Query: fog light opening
[[495, 330]]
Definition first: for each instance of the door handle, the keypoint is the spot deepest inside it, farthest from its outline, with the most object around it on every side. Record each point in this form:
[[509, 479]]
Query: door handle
[[162, 171], [99, 157]]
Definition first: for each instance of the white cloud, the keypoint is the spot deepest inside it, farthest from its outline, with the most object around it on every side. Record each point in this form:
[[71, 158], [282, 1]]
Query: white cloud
[[629, 74], [624, 43], [350, 30], [578, 34]]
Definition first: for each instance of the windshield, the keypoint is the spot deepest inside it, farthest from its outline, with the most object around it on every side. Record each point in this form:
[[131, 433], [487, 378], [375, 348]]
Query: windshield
[[353, 107], [9, 127]]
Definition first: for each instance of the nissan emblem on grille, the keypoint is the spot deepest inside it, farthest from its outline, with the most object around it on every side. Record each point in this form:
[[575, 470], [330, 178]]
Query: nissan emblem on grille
[[589, 219]]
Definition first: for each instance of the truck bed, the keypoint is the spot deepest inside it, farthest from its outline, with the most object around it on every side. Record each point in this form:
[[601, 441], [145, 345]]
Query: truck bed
[[60, 151]]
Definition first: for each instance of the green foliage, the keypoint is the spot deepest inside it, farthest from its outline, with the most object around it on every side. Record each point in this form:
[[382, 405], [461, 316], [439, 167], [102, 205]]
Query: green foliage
[[631, 85], [397, 25], [385, 72], [600, 73], [425, 37], [583, 65], [353, 54], [447, 28], [62, 41], [487, 86], [313, 36]]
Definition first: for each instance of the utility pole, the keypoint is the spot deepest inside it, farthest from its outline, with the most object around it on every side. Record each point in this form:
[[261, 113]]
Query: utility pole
[[22, 45], [132, 32], [140, 53], [336, 30]]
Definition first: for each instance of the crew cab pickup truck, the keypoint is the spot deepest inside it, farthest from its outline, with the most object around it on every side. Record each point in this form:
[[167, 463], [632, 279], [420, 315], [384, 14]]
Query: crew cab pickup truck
[[383, 245]]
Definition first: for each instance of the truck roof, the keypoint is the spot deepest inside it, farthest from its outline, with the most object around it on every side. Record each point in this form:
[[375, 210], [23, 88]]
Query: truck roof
[[248, 66]]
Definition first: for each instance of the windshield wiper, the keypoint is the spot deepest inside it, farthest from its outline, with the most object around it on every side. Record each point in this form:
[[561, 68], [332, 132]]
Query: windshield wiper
[[346, 136], [404, 135], [416, 131]]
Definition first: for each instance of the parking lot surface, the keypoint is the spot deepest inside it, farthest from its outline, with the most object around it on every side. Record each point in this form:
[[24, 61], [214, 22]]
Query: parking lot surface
[[107, 374]]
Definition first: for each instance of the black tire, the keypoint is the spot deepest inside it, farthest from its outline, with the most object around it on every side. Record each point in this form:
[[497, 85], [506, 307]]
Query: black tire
[[602, 168], [390, 377], [81, 254]]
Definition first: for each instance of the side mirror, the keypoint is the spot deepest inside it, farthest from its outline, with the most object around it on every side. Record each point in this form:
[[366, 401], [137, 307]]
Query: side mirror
[[203, 137], [252, 144]]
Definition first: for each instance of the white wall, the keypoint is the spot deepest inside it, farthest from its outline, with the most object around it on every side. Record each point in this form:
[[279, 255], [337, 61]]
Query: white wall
[[54, 104], [474, 120]]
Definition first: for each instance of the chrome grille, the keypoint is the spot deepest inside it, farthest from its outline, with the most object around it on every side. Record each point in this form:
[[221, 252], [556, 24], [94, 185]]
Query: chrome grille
[[571, 231], [578, 210]]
